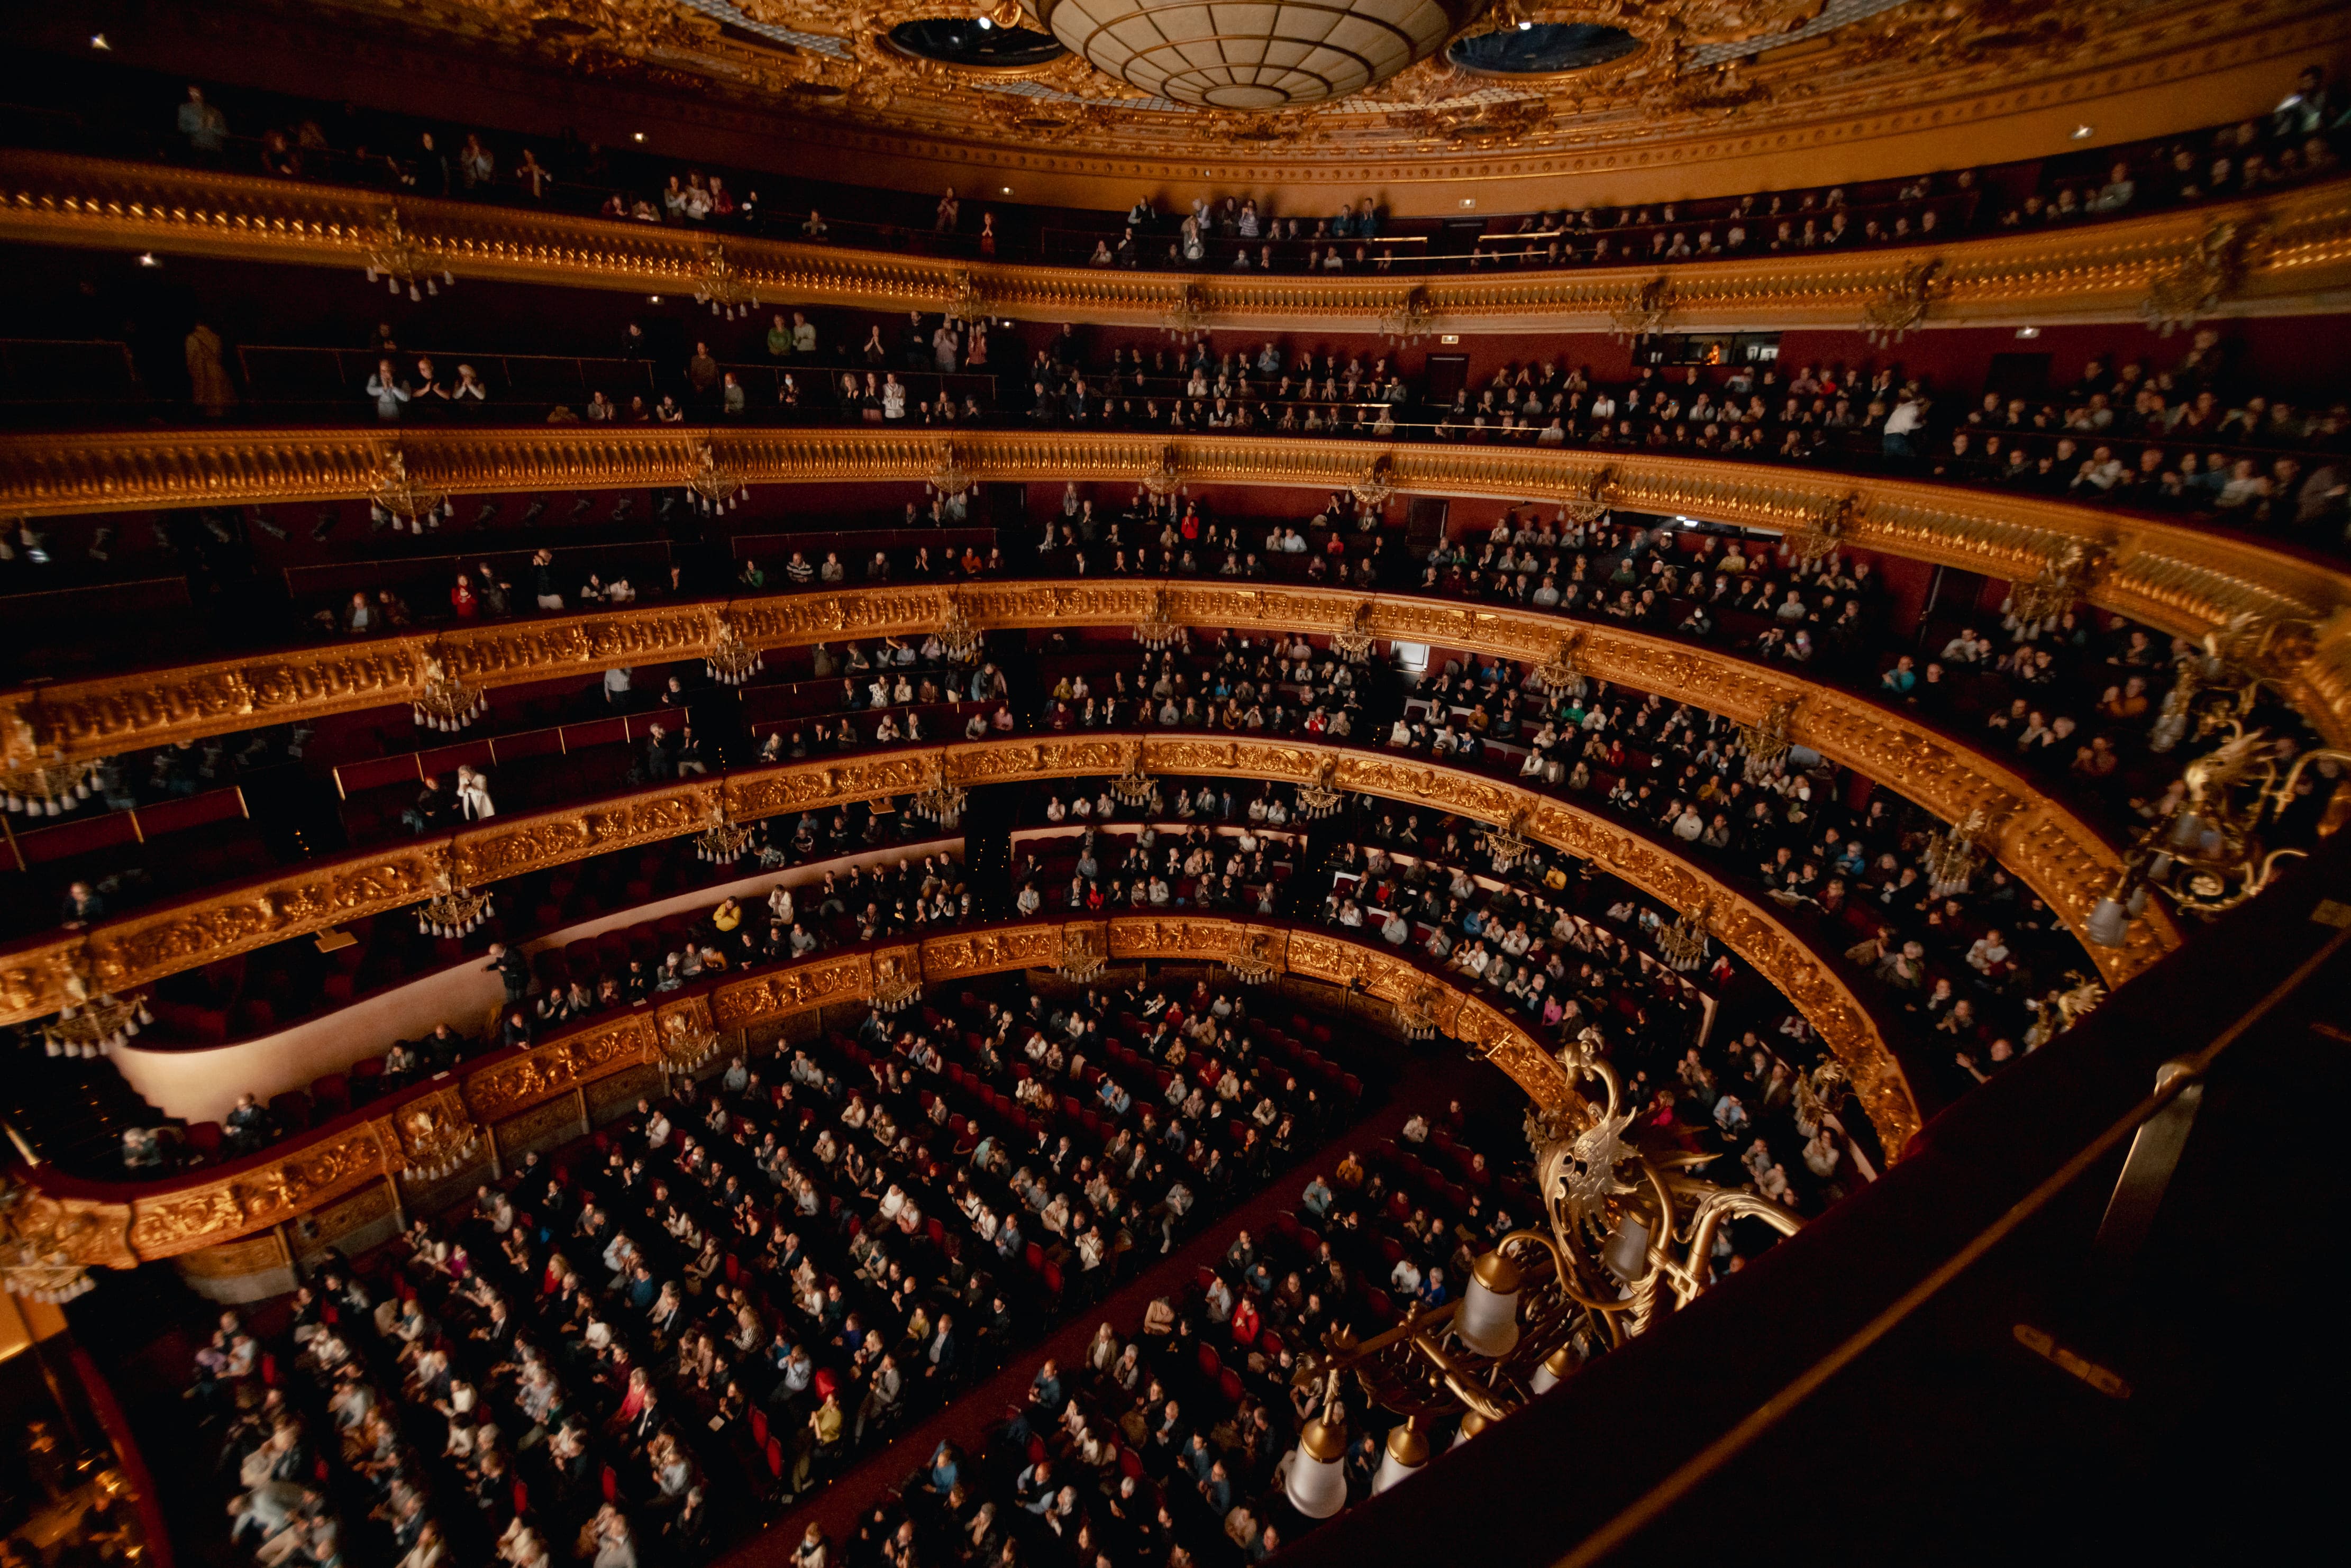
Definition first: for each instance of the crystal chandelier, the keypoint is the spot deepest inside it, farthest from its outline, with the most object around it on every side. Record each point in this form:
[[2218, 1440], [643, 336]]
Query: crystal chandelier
[[1767, 740], [1134, 786], [716, 489], [1682, 945], [1168, 478], [1415, 1016], [1321, 798], [970, 305], [950, 477], [1902, 304], [1411, 319], [686, 1043], [723, 285], [731, 661], [93, 1023], [454, 910], [1354, 642], [943, 801], [1822, 534], [1506, 846], [399, 258], [1157, 630], [893, 988], [1189, 317], [1377, 485], [442, 1153], [1559, 673], [32, 1272], [1590, 504], [2208, 853], [1252, 963], [2061, 580], [1954, 857], [1080, 962], [50, 788], [446, 703], [722, 841], [403, 500], [958, 638], [1648, 312]]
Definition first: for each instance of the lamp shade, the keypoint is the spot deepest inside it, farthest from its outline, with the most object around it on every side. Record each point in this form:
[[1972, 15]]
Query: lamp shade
[[1627, 1254], [1554, 1371], [1488, 1319], [1472, 1423], [1406, 1453], [2109, 925], [1318, 1480]]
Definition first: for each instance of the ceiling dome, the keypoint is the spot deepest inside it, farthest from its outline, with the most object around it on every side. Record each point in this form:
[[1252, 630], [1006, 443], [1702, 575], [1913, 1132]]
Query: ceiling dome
[[1254, 54]]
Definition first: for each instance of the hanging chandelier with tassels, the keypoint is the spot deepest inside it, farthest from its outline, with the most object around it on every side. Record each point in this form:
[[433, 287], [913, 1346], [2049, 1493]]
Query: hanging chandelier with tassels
[[1157, 631], [454, 910], [731, 661], [716, 489], [446, 703], [48, 788], [723, 841], [1682, 945]]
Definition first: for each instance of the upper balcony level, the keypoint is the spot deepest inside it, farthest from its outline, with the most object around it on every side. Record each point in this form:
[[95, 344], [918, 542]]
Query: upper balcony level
[[2243, 216]]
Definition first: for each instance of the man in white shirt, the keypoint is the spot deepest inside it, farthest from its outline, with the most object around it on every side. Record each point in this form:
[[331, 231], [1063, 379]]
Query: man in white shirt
[[1909, 416]]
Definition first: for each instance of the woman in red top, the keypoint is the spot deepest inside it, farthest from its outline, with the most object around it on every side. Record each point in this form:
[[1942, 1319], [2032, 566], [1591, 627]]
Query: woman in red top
[[461, 599], [1245, 1319]]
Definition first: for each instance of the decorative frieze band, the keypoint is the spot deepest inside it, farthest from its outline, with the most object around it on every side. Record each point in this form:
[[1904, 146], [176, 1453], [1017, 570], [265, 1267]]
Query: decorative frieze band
[[425, 1128], [133, 951]]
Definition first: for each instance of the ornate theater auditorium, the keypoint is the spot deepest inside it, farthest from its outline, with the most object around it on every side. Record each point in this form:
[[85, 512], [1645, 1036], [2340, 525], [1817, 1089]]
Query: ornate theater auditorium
[[870, 785]]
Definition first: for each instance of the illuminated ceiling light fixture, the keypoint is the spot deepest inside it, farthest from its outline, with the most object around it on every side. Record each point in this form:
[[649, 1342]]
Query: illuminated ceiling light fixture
[[1187, 319], [1255, 58], [943, 801], [402, 261]]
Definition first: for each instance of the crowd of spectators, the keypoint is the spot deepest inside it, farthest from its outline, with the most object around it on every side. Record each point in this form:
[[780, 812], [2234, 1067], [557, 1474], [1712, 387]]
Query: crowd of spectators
[[2297, 141], [667, 1334]]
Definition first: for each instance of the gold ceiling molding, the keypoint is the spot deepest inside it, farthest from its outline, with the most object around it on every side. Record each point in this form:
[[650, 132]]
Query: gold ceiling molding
[[139, 949], [2104, 272], [1707, 84], [422, 1129], [2060, 857], [2173, 575]]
